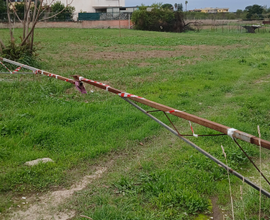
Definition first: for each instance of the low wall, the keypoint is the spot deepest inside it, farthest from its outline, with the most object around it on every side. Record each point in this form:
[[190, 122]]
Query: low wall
[[81, 24], [223, 22], [125, 24], [107, 24]]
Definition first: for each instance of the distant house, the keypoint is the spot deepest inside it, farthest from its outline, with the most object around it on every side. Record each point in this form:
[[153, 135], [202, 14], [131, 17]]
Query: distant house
[[99, 6], [211, 10], [222, 10], [95, 6]]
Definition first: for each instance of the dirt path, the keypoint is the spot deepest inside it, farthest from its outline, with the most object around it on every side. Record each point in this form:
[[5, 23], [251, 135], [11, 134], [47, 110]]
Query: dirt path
[[45, 207]]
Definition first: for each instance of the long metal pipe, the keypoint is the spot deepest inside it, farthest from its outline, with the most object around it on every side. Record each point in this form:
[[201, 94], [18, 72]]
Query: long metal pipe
[[38, 71], [204, 122], [242, 178], [16, 73], [201, 121]]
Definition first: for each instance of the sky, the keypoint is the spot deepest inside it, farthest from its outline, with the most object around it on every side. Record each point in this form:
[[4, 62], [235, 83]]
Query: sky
[[233, 5]]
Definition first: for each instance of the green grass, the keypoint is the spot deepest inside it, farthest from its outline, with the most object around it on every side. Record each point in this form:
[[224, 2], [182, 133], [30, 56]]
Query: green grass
[[225, 81]]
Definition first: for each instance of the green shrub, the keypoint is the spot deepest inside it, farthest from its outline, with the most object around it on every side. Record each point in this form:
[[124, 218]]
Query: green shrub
[[21, 53], [158, 19], [65, 15]]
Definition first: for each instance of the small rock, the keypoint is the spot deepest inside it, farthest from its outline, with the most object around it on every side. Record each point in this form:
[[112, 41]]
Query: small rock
[[23, 197], [37, 161], [19, 206], [23, 203]]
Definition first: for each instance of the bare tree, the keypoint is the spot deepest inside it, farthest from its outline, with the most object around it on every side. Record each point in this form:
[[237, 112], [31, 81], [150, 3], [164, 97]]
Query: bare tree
[[33, 13]]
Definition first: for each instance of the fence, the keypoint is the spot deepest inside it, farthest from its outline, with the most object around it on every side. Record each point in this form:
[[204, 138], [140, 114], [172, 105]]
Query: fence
[[104, 16], [72, 17], [46, 16], [233, 26]]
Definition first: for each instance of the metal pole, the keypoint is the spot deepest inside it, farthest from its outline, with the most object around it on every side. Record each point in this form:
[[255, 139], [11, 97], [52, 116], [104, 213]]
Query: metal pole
[[38, 71], [242, 178], [119, 19], [201, 121], [162, 108], [128, 20], [16, 73]]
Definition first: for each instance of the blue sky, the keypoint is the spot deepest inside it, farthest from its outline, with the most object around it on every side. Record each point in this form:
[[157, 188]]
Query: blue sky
[[233, 5]]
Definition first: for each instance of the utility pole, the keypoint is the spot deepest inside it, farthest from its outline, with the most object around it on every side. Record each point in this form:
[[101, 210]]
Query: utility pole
[[119, 19]]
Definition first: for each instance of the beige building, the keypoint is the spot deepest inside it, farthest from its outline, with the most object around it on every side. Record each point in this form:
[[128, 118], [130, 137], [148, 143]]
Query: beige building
[[212, 10]]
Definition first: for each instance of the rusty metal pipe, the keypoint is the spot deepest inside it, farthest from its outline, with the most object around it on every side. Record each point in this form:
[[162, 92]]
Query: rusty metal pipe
[[201, 121], [17, 73], [38, 71], [242, 178]]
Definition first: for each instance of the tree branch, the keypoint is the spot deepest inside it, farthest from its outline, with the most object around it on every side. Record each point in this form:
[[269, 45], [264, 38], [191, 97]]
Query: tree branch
[[24, 19], [36, 20], [14, 11], [2, 44], [57, 13], [32, 35], [34, 24], [27, 16], [38, 13], [9, 23], [46, 6]]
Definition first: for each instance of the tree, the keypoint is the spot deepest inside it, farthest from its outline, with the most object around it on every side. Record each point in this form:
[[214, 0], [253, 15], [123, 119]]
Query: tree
[[178, 7], [154, 6], [33, 12], [167, 6], [66, 14], [238, 13], [2, 7], [254, 11], [159, 19]]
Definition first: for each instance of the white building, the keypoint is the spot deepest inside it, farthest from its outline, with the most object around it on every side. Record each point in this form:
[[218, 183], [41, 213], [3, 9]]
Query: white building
[[94, 5]]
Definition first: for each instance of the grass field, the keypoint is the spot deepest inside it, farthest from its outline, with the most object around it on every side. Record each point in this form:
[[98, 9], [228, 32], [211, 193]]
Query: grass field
[[223, 77]]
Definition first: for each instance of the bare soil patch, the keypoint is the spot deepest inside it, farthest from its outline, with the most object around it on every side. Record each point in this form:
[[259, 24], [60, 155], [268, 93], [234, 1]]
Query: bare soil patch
[[264, 79], [153, 52], [140, 79], [144, 64], [217, 213], [45, 207]]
